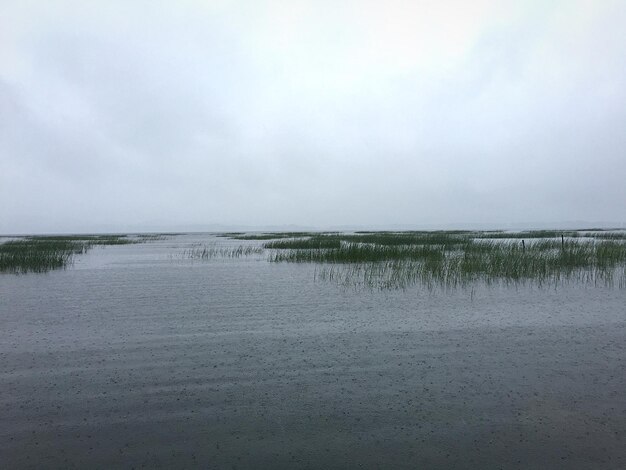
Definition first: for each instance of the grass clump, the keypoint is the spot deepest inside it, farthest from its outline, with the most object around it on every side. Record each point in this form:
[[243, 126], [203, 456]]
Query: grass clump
[[617, 235], [152, 237], [397, 259], [41, 254], [274, 235], [543, 234], [205, 252], [531, 234], [263, 236], [230, 234], [310, 243], [335, 240], [90, 240], [358, 253], [408, 238], [28, 255]]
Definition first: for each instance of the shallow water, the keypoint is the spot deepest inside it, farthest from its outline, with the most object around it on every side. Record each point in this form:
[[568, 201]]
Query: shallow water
[[135, 357]]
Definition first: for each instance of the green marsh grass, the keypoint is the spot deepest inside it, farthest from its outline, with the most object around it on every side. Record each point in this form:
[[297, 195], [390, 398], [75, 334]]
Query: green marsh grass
[[268, 236], [316, 242], [41, 254], [86, 239], [358, 253], [334, 240], [153, 236], [392, 259], [532, 234], [22, 256], [205, 252], [408, 238], [273, 235]]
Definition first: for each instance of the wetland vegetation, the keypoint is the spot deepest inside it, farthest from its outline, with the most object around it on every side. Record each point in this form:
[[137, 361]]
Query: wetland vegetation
[[205, 252], [454, 258], [380, 259], [267, 235], [46, 252]]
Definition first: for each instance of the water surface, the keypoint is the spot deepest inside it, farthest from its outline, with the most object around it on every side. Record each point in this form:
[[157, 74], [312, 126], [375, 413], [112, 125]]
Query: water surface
[[136, 357]]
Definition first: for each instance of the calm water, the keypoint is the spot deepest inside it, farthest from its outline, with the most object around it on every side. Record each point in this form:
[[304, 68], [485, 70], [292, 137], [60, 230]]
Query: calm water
[[135, 357]]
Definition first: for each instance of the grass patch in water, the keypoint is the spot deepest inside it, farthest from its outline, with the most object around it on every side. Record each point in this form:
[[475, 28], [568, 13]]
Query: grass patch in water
[[358, 253], [274, 235], [268, 236], [401, 258], [532, 234], [309, 243], [408, 238], [205, 252], [41, 254], [335, 240]]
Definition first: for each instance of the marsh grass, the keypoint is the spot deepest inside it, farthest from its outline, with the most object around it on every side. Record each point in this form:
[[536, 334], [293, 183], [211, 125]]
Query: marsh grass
[[41, 254], [268, 236], [205, 252], [617, 235], [153, 236], [408, 238], [273, 235], [556, 234], [316, 242], [22, 256], [85, 239], [382, 259], [531, 234], [335, 240], [396, 260], [230, 234], [358, 253]]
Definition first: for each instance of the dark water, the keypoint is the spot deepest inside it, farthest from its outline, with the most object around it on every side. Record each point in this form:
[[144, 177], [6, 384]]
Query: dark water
[[135, 358]]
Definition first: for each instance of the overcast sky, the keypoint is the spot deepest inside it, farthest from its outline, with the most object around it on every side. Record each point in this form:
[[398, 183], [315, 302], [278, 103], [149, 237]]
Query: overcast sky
[[139, 114]]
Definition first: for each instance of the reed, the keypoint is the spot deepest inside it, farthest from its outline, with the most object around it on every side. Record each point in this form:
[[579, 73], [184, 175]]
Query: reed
[[22, 256], [274, 235], [268, 236], [457, 259], [358, 253], [316, 242], [205, 252], [87, 239], [408, 238], [41, 254], [153, 236]]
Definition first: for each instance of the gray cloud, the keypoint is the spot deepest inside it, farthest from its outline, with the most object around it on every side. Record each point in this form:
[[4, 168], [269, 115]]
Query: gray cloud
[[116, 114]]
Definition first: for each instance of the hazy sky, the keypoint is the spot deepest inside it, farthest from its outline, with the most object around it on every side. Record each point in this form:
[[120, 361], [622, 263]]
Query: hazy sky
[[161, 113]]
